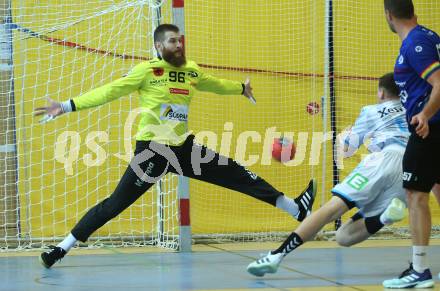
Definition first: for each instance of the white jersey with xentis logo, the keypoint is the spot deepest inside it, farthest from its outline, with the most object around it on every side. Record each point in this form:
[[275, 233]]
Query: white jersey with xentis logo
[[379, 125], [377, 179]]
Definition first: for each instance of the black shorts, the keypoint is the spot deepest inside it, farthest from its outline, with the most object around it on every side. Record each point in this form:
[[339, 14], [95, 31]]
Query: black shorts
[[421, 162]]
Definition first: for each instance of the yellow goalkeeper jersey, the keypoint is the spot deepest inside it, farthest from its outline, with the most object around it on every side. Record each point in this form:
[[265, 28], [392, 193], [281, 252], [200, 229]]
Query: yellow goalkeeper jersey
[[165, 93]]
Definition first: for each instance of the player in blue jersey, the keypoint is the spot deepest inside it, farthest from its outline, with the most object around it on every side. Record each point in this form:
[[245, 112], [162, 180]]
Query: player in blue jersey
[[417, 73], [374, 186]]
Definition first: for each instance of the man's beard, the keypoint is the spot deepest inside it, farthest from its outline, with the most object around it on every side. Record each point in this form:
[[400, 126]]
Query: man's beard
[[173, 59]]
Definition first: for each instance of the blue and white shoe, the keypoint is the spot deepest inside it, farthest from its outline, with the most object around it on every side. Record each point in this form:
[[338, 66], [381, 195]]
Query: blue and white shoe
[[407, 271], [413, 279]]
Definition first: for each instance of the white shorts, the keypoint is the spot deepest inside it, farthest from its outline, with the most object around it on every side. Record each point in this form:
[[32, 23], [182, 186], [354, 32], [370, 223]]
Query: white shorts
[[374, 182]]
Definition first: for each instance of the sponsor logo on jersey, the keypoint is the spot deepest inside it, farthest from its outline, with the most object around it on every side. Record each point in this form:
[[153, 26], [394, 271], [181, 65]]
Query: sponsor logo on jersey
[[158, 72], [418, 49], [387, 110], [357, 181], [193, 74], [179, 91], [174, 112], [158, 82], [401, 84]]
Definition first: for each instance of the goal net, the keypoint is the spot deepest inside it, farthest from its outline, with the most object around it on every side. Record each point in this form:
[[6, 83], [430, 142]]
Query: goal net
[[298, 54], [313, 65], [53, 173]]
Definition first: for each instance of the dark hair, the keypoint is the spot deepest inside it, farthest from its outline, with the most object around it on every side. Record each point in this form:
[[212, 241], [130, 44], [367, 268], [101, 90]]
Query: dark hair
[[387, 83], [402, 9], [159, 32]]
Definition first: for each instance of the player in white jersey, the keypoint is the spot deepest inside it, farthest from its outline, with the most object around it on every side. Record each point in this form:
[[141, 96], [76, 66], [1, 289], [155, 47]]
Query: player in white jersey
[[374, 186]]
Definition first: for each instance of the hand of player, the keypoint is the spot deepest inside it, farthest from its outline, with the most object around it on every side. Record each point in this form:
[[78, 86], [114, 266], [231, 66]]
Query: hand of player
[[343, 145], [344, 135], [50, 112], [422, 128], [248, 91]]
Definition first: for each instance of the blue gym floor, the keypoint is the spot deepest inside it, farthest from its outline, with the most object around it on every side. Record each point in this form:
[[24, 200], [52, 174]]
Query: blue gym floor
[[316, 266]]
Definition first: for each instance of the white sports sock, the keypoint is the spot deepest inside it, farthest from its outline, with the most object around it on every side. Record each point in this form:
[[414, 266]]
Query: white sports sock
[[420, 258], [68, 242], [287, 204]]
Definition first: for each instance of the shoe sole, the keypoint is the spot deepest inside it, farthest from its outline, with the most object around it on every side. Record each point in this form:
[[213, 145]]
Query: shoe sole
[[314, 187], [425, 284], [261, 271], [43, 263], [421, 285]]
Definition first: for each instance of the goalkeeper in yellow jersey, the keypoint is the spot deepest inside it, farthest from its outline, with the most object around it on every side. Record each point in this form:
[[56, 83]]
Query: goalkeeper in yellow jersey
[[166, 85]]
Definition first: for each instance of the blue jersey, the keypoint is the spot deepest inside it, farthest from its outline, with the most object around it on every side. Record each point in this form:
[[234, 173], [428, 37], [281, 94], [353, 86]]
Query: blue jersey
[[419, 58], [382, 124]]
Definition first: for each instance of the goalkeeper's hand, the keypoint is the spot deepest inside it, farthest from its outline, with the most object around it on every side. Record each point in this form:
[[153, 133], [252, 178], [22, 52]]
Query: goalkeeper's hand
[[49, 112], [248, 91]]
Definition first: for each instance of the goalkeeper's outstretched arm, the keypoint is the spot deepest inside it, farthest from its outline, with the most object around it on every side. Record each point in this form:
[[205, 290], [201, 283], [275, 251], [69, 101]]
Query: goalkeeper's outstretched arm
[[96, 97], [225, 87]]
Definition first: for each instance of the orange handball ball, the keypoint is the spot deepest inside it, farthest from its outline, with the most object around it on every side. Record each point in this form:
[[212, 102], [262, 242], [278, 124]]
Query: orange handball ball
[[283, 150]]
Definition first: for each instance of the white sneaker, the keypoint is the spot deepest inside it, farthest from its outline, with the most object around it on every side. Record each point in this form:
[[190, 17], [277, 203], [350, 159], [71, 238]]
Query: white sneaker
[[395, 211], [267, 264]]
